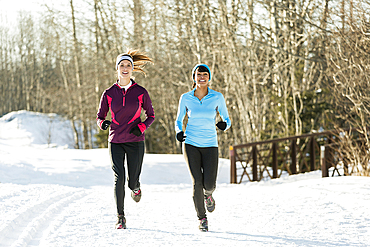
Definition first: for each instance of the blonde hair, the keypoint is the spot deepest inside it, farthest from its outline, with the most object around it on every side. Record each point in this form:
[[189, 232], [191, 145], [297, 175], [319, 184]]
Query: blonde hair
[[140, 59]]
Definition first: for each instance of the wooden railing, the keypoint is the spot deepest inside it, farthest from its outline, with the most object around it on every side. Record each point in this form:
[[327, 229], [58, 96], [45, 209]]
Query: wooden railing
[[295, 154], [336, 161]]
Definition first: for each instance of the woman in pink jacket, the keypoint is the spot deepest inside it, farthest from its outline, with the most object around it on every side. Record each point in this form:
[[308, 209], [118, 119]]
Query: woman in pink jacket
[[125, 99]]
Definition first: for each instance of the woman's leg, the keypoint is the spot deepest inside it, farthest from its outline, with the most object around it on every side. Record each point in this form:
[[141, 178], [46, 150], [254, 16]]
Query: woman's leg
[[210, 168], [194, 159], [135, 154], [117, 155]]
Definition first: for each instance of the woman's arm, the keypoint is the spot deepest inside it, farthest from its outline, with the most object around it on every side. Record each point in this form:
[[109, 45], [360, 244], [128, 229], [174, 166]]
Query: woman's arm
[[222, 109], [102, 111], [149, 112], [181, 111]]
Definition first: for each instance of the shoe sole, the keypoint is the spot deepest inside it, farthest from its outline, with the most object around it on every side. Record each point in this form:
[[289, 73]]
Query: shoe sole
[[136, 198], [211, 209], [202, 229]]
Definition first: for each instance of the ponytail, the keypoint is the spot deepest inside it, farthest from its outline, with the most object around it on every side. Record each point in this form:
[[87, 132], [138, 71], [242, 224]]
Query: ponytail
[[139, 58]]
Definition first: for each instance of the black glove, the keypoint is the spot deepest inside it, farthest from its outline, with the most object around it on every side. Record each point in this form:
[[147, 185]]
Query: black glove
[[221, 125], [180, 136], [136, 131], [105, 124]]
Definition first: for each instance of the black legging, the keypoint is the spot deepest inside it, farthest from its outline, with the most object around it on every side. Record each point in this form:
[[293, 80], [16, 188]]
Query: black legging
[[134, 151], [203, 165]]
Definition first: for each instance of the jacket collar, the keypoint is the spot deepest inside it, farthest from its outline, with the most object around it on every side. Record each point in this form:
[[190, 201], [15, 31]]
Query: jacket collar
[[131, 81]]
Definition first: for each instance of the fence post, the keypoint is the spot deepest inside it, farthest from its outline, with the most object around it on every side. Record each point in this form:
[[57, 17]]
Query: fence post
[[312, 154], [232, 165], [254, 165], [324, 169], [274, 160], [329, 154], [293, 156]]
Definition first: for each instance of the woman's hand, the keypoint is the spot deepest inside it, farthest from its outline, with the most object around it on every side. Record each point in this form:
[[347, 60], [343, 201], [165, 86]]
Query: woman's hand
[[105, 124], [136, 131], [180, 136], [221, 125]]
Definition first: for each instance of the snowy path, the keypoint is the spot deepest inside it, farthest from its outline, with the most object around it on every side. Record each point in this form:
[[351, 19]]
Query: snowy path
[[296, 213]]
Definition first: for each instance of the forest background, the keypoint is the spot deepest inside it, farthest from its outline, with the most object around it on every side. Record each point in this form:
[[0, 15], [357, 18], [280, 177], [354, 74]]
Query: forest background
[[285, 67]]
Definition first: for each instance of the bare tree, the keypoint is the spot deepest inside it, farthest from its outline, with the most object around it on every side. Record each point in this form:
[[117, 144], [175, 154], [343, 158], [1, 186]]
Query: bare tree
[[269, 66], [81, 92], [349, 72]]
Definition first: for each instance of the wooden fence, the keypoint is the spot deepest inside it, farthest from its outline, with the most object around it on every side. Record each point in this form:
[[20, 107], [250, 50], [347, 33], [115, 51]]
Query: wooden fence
[[296, 154]]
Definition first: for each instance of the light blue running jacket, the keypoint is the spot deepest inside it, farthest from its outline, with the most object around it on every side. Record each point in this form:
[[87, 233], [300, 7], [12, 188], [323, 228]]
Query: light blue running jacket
[[201, 126]]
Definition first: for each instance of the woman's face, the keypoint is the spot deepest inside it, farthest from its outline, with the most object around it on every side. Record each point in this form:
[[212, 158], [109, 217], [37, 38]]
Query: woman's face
[[201, 79], [124, 69]]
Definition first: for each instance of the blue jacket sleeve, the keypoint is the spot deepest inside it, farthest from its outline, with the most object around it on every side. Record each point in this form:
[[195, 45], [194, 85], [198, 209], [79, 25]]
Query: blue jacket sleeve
[[181, 111], [222, 109]]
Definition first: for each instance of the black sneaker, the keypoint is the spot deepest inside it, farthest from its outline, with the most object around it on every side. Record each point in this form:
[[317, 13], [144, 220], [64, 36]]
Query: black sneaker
[[210, 203], [136, 195], [203, 226], [121, 222]]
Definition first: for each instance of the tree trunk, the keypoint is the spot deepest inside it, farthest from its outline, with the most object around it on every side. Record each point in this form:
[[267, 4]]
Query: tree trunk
[[80, 92]]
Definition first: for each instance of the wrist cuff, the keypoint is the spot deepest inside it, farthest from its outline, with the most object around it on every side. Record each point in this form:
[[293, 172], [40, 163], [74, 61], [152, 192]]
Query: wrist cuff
[[142, 127]]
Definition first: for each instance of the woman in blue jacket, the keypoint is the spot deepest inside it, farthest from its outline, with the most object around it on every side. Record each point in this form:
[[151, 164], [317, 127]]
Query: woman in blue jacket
[[200, 138]]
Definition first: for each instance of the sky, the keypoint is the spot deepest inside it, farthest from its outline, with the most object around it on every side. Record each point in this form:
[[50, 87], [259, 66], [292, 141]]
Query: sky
[[9, 9], [54, 195]]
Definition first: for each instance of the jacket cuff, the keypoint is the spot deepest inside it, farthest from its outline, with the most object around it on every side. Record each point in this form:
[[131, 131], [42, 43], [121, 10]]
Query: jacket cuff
[[142, 127], [99, 122]]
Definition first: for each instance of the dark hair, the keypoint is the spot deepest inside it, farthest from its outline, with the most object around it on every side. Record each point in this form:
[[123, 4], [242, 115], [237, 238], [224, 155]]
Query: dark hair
[[200, 68]]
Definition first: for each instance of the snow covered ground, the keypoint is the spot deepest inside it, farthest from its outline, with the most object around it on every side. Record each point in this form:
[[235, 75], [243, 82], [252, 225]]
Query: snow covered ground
[[53, 195]]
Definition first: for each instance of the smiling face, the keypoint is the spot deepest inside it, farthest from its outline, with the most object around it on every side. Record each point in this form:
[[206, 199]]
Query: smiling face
[[201, 78], [124, 70]]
